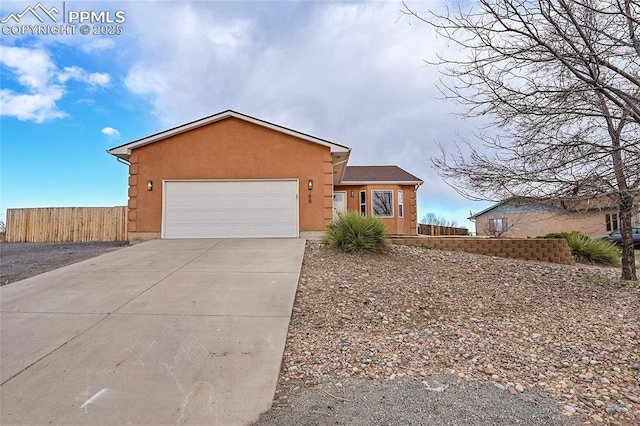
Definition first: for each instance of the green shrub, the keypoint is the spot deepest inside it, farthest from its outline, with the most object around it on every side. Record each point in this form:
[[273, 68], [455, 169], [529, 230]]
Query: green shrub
[[564, 235], [353, 233], [590, 250], [593, 250]]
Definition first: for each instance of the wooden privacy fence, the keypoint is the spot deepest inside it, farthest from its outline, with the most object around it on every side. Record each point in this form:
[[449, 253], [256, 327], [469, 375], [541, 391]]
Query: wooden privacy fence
[[56, 224], [437, 230]]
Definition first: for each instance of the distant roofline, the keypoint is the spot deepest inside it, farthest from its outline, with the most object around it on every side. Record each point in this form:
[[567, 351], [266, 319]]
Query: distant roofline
[[546, 201]]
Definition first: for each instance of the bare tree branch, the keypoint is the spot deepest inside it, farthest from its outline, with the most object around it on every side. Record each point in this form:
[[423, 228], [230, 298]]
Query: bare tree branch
[[560, 82]]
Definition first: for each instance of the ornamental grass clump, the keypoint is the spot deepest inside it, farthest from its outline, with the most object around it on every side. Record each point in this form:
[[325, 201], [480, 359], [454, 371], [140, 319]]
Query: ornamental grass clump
[[590, 250], [353, 233]]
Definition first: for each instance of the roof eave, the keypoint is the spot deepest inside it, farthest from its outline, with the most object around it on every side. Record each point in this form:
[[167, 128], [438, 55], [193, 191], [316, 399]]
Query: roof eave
[[120, 152], [339, 165], [126, 148], [487, 210]]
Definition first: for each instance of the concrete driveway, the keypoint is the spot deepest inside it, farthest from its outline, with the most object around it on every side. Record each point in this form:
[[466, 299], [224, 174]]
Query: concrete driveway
[[164, 332]]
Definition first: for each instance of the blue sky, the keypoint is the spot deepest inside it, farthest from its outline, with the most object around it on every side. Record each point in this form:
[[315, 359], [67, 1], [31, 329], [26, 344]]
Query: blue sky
[[350, 72]]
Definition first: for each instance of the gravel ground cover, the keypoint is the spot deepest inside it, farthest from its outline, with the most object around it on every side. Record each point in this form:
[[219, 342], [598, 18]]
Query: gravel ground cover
[[520, 342], [436, 400], [23, 260]]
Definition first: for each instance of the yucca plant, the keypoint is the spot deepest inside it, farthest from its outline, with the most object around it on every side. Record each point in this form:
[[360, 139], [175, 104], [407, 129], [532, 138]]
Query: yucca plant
[[593, 250], [590, 250], [353, 233]]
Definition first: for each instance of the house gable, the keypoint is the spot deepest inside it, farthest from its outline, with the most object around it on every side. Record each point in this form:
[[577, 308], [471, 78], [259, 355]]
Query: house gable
[[174, 176], [515, 207], [226, 150]]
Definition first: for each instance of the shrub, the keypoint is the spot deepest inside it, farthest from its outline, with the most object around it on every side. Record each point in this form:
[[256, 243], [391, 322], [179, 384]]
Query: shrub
[[563, 235], [590, 250], [353, 233], [593, 250]]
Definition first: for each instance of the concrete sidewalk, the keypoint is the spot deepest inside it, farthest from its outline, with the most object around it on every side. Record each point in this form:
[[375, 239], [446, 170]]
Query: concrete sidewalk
[[164, 332]]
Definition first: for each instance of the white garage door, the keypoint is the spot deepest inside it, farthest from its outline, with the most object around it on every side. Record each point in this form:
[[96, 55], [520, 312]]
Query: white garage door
[[230, 209]]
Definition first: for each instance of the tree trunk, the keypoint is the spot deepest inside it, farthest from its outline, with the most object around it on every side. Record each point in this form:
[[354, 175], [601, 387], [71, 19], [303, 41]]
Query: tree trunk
[[628, 255]]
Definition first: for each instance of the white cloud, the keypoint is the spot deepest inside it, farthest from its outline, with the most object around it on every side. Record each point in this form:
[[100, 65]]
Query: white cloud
[[348, 72], [111, 132], [33, 70], [43, 85], [97, 44], [94, 79], [35, 107]]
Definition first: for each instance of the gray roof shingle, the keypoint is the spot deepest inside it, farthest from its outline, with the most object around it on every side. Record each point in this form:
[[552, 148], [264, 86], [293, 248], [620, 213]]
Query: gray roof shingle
[[378, 174]]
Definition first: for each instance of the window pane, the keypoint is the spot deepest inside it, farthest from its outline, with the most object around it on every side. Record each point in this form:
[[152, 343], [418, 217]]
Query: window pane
[[382, 203], [498, 225]]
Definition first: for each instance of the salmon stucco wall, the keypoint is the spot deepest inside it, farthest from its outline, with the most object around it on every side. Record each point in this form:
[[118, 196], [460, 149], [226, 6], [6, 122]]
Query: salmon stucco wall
[[229, 149], [535, 224], [406, 225]]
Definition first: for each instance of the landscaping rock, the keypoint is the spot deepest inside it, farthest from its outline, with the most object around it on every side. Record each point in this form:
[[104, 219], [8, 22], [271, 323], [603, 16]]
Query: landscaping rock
[[418, 313]]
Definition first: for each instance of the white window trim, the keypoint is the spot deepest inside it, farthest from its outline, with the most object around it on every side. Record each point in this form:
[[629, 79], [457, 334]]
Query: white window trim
[[372, 203], [613, 219], [503, 224], [363, 204], [400, 204]]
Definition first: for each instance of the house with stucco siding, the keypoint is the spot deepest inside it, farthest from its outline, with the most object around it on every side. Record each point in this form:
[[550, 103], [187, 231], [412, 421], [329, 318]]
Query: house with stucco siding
[[230, 175], [522, 217]]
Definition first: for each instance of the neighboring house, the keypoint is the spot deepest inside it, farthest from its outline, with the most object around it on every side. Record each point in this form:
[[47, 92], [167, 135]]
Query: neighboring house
[[230, 175], [533, 217]]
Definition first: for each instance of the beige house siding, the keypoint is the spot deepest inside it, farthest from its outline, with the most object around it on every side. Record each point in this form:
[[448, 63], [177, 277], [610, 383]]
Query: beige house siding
[[522, 225], [528, 218]]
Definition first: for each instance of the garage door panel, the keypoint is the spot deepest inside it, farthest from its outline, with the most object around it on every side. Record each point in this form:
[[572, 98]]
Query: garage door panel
[[229, 231], [227, 209], [196, 202], [231, 216]]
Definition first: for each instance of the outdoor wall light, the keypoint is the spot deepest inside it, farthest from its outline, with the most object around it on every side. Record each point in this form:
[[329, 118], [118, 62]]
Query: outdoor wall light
[[310, 184], [149, 185], [353, 194]]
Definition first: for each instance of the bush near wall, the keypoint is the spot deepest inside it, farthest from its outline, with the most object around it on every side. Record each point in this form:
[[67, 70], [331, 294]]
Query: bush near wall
[[590, 250]]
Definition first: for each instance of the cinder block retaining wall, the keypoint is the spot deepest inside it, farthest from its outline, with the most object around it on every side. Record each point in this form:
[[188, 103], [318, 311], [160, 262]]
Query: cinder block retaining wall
[[548, 250]]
